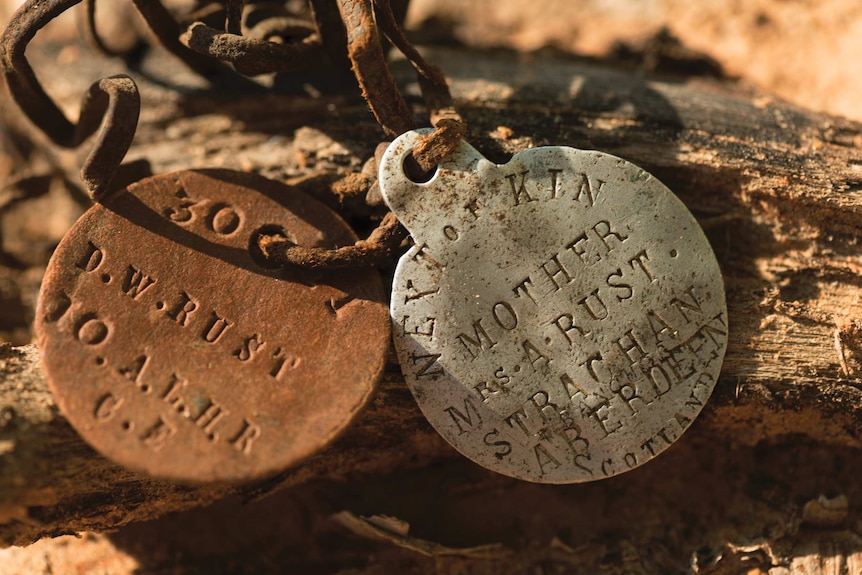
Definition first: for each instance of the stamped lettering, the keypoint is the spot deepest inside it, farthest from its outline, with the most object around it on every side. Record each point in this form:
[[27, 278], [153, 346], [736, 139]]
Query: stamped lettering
[[579, 321], [174, 353]]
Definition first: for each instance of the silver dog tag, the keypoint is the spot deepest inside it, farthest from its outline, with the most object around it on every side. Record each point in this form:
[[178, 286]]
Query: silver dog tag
[[560, 318]]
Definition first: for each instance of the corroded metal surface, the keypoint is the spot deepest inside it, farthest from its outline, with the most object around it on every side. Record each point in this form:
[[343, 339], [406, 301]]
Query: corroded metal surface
[[177, 350], [561, 318]]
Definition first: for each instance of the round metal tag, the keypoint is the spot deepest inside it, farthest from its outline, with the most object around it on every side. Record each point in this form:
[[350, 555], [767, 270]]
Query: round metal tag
[[173, 349], [560, 318]]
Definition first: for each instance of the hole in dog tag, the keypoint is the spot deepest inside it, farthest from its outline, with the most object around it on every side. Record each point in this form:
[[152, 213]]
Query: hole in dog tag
[[560, 318], [174, 350]]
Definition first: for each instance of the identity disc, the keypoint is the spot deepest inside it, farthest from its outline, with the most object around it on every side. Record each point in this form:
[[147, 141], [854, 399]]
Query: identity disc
[[175, 349], [560, 318]]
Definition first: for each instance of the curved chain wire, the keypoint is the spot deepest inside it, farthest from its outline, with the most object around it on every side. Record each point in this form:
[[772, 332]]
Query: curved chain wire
[[113, 103]]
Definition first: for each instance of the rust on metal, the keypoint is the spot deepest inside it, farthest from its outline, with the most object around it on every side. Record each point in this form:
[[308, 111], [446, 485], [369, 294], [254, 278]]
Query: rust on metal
[[251, 56], [167, 30], [330, 25], [175, 348], [116, 99], [434, 148], [233, 17], [381, 245], [91, 33], [450, 128], [369, 66], [112, 102], [281, 28]]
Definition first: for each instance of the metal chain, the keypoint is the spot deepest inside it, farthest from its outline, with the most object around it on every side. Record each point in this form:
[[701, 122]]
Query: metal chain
[[355, 28], [112, 102], [393, 114]]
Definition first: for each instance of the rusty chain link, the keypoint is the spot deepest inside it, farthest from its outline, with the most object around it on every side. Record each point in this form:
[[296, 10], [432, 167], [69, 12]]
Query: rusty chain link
[[350, 31], [91, 31], [393, 114], [112, 102], [250, 56], [381, 245], [449, 127]]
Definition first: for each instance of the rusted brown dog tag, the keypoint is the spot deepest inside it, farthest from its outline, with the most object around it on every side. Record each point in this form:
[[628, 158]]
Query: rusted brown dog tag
[[173, 351]]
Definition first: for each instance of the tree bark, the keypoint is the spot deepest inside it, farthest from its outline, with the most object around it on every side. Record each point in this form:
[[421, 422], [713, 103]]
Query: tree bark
[[778, 190]]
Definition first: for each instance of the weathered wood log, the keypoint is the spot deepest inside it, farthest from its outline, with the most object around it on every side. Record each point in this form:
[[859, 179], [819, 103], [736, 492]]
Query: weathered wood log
[[777, 189]]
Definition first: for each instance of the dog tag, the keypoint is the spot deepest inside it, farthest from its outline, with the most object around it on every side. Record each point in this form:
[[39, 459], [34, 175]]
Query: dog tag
[[175, 349], [560, 318]]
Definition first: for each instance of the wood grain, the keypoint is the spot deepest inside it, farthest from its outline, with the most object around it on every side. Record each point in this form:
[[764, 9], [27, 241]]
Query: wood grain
[[778, 190]]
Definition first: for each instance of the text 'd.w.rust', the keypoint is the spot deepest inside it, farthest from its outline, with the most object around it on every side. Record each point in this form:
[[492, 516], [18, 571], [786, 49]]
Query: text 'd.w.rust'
[[172, 351]]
